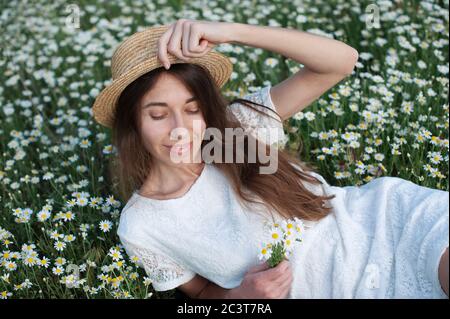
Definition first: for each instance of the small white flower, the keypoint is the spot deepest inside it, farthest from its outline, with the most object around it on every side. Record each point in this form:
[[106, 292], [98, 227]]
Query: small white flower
[[310, 116], [276, 235], [435, 157], [379, 157], [264, 252], [271, 62], [105, 226], [115, 254], [58, 270], [43, 215], [60, 245], [10, 265]]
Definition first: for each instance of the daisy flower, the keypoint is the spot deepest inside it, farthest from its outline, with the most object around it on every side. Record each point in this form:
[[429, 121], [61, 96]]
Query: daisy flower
[[276, 235], [115, 254], [10, 265], [5, 294], [59, 245], [264, 252], [58, 270], [105, 226], [43, 215]]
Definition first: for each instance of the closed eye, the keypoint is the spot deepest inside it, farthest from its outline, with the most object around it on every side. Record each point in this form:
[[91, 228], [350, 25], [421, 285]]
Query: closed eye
[[161, 117]]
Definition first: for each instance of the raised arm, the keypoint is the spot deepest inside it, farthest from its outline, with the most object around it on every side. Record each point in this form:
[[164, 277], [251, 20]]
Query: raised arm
[[326, 62]]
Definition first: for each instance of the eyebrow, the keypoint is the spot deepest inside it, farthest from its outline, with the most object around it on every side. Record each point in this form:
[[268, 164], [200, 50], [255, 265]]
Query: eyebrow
[[165, 104]]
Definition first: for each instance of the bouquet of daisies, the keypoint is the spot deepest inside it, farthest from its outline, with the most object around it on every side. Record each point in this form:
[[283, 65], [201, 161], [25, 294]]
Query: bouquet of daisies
[[283, 237]]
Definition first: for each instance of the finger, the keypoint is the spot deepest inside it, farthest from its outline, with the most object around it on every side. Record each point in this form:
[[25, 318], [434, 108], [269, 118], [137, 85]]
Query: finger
[[285, 287], [196, 44], [174, 46], [207, 46], [283, 265], [283, 278], [162, 46], [198, 55], [190, 45], [275, 272], [259, 267], [280, 275], [282, 284], [185, 43]]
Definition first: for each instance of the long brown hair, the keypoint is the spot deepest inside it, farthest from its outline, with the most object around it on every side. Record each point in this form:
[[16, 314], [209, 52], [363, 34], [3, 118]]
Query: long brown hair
[[282, 191]]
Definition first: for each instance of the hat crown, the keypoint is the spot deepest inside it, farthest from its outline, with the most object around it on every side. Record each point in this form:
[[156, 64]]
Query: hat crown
[[136, 49]]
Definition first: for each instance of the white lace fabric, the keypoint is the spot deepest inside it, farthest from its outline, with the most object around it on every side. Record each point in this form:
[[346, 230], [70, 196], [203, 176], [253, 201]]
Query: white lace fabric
[[382, 240], [164, 273], [268, 129]]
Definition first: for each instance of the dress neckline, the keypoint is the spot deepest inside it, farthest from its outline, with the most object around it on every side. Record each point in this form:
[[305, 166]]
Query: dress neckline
[[195, 185]]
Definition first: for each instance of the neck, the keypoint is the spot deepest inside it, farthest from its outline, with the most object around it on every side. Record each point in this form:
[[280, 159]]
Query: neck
[[165, 178]]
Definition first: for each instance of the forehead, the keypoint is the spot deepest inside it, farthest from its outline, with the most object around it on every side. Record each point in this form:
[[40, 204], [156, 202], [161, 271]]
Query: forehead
[[167, 89]]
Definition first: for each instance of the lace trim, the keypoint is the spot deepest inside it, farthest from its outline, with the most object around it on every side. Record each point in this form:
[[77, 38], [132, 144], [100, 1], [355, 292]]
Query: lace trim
[[164, 273], [158, 267], [258, 124]]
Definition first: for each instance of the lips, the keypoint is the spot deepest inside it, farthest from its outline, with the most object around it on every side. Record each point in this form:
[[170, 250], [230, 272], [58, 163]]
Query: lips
[[178, 148]]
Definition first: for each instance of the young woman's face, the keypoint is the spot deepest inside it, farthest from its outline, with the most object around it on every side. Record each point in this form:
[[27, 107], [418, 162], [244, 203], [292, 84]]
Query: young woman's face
[[169, 108]]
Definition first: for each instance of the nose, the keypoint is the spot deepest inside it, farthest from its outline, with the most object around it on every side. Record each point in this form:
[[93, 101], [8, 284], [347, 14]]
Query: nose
[[180, 127]]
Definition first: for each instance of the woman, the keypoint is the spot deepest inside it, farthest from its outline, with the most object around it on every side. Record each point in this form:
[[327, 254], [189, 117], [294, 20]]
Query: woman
[[197, 224]]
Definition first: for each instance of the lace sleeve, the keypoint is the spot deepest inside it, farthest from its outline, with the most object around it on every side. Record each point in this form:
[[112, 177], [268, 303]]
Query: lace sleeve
[[164, 272], [267, 128]]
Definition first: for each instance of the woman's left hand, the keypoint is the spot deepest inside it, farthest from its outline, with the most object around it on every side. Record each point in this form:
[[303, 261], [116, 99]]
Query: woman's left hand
[[187, 39]]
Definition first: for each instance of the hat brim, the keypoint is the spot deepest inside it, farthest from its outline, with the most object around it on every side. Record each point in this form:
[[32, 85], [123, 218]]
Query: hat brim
[[105, 103]]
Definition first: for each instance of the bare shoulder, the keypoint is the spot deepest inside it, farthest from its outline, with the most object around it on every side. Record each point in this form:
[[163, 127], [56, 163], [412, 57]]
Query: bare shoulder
[[194, 286]]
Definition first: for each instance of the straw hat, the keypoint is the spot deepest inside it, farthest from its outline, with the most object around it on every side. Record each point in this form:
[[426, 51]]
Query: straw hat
[[136, 56]]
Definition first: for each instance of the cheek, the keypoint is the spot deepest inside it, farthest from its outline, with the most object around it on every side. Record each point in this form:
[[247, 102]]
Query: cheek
[[152, 134]]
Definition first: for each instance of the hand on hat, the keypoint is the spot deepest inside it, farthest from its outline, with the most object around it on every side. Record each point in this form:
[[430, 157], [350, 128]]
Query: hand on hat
[[187, 39]]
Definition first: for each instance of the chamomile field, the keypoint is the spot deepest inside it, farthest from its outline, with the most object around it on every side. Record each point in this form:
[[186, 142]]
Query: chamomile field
[[59, 211]]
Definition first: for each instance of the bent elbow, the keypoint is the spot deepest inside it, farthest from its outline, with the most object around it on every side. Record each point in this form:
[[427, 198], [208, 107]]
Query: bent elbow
[[352, 60]]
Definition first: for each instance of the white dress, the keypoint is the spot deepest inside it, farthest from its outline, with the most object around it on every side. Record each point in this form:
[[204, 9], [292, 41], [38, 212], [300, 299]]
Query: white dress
[[382, 240]]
